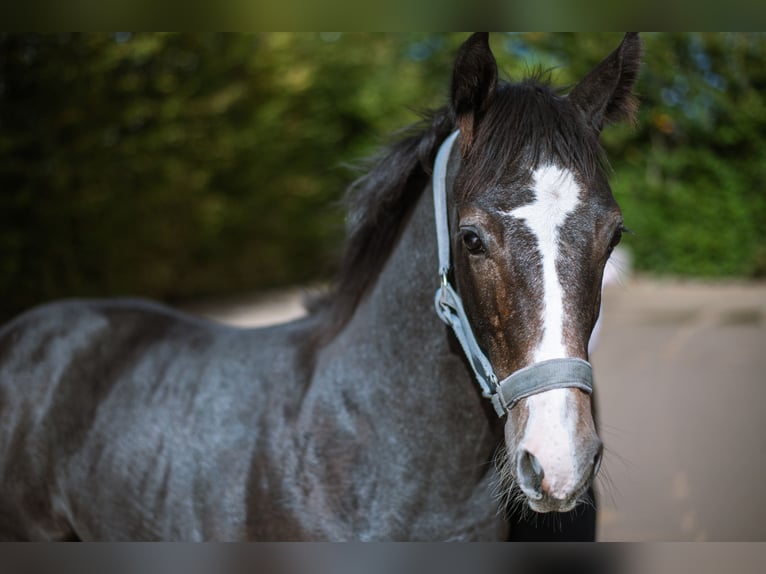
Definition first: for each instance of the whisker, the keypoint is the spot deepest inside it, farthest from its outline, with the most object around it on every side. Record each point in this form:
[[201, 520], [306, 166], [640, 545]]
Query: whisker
[[606, 486], [626, 463], [613, 429]]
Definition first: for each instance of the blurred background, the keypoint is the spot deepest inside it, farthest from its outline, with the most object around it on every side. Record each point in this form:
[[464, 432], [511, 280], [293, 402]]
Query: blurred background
[[205, 170], [179, 165]]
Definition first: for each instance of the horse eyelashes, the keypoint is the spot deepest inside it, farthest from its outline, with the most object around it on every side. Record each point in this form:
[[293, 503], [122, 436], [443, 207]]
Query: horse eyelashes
[[616, 238]]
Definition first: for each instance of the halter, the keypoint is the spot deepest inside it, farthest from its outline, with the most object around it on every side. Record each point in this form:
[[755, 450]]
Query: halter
[[536, 378]]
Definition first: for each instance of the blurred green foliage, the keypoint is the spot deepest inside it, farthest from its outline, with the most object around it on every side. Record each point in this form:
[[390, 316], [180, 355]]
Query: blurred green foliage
[[182, 165]]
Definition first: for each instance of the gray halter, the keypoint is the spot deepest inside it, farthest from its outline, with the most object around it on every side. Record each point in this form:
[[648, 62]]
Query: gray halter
[[536, 378]]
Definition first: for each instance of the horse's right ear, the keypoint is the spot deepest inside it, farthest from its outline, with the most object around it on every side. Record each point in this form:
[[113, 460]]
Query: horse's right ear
[[474, 79]]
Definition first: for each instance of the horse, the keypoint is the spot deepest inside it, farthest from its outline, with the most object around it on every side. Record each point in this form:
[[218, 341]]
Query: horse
[[369, 418]]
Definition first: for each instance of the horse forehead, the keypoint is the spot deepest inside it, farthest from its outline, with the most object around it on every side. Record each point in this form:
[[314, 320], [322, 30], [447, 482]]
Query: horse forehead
[[555, 194]]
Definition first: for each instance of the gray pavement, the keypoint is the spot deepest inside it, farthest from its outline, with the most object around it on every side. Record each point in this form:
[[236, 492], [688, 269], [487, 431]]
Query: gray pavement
[[681, 382], [681, 393]]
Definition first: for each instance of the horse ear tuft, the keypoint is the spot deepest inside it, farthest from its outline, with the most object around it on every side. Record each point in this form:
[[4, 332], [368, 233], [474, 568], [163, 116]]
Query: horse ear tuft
[[605, 95], [474, 79]]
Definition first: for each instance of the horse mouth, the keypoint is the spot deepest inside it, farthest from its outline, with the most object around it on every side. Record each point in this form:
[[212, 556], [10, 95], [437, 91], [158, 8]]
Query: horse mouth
[[544, 503], [547, 504]]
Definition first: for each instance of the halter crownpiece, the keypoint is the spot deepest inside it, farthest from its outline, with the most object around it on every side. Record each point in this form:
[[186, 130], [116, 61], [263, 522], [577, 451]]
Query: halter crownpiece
[[536, 378]]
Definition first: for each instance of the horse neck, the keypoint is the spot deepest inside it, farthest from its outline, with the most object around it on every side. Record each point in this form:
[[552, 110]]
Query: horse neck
[[391, 422], [396, 358]]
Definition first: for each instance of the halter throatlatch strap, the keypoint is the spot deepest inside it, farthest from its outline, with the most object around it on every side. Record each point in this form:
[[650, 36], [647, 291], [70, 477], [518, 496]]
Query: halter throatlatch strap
[[536, 378]]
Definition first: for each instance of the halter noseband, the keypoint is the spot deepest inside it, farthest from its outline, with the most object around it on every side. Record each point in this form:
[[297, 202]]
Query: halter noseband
[[536, 378]]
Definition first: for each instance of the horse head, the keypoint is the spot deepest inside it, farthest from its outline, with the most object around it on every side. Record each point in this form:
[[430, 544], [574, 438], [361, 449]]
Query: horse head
[[532, 222]]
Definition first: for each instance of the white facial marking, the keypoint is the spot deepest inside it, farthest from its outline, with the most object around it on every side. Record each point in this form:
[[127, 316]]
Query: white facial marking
[[557, 194], [551, 426], [550, 436]]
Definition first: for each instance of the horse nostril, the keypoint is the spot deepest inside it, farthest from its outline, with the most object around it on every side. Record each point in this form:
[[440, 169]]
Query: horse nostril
[[530, 471], [597, 460], [535, 465]]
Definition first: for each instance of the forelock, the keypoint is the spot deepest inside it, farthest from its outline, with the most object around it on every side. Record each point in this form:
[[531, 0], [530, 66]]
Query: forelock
[[529, 124]]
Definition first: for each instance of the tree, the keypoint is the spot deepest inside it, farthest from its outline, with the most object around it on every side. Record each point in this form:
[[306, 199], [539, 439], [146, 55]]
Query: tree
[[180, 165]]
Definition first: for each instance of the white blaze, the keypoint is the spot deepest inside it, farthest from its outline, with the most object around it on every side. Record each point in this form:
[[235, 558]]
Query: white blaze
[[550, 430], [556, 196]]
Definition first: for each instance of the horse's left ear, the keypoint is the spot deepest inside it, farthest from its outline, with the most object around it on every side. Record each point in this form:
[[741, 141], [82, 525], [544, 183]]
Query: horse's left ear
[[605, 95], [474, 79]]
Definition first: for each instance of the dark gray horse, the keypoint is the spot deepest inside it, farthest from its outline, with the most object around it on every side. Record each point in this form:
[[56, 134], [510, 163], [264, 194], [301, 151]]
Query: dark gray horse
[[363, 420]]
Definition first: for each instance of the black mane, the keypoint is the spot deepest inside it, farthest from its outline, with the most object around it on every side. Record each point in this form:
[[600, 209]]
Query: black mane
[[377, 206], [526, 123]]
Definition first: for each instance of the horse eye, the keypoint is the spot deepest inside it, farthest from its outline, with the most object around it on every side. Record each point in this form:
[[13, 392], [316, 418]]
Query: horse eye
[[616, 238], [472, 241]]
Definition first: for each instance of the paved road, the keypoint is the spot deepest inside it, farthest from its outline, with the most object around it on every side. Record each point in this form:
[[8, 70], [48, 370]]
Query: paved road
[[681, 375], [681, 389]]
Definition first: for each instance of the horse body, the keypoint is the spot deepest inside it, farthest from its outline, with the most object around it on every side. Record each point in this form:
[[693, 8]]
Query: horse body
[[128, 420], [148, 402]]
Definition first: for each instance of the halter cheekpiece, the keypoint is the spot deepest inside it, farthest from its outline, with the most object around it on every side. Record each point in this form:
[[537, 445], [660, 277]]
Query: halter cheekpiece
[[536, 378]]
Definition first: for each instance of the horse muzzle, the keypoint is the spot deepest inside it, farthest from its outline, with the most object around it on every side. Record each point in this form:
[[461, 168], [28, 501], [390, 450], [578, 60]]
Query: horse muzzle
[[558, 492], [554, 450]]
